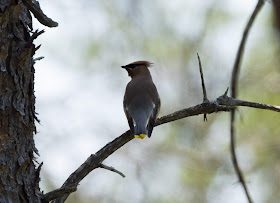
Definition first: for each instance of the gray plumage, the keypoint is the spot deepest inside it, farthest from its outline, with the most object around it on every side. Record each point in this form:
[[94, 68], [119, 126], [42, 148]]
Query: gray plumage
[[141, 100]]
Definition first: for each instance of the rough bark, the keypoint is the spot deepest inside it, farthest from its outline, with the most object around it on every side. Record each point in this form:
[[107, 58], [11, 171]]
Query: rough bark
[[19, 178]]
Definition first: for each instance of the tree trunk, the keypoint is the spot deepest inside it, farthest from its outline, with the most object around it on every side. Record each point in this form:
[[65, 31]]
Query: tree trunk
[[19, 178]]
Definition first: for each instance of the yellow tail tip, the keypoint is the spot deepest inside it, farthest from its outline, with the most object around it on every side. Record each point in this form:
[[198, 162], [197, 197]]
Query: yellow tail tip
[[141, 136]]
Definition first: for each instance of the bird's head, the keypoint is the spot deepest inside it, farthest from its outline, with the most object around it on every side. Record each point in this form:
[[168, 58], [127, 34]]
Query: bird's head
[[137, 68]]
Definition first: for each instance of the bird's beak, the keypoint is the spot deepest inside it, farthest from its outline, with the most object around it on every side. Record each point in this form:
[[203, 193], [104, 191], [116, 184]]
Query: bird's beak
[[123, 66]]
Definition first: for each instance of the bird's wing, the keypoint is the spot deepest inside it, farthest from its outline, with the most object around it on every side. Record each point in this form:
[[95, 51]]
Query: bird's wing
[[152, 120], [129, 119]]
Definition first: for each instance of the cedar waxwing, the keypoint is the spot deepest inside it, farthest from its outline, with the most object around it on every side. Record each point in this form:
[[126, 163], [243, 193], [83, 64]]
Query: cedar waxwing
[[141, 100]]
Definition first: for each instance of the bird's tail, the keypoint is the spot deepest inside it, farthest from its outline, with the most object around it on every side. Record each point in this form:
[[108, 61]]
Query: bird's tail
[[141, 128], [140, 131]]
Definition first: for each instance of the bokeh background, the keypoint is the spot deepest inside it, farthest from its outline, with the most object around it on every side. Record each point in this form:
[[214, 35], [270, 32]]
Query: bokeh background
[[80, 86]]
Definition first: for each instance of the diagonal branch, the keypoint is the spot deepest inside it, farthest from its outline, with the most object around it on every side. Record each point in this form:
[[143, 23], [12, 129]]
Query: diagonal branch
[[223, 103], [234, 80]]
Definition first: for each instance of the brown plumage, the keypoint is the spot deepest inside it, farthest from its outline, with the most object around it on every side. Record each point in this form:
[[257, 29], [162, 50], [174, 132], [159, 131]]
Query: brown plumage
[[141, 100]]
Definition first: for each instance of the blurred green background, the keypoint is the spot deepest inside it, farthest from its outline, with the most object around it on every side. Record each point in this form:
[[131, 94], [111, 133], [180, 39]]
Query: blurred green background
[[80, 86]]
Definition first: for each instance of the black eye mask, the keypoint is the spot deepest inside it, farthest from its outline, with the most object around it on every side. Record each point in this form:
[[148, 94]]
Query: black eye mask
[[130, 66]]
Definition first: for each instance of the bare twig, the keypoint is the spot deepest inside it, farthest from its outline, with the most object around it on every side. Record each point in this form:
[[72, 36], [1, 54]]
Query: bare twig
[[234, 80], [202, 80], [33, 37], [223, 103], [234, 159], [236, 67], [38, 47], [111, 169], [35, 8], [225, 94], [38, 58], [205, 99]]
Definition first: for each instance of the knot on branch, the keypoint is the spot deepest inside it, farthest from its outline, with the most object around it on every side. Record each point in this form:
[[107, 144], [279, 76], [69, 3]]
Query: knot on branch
[[227, 101]]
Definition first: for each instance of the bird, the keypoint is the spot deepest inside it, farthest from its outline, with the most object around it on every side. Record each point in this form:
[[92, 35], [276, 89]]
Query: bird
[[141, 101]]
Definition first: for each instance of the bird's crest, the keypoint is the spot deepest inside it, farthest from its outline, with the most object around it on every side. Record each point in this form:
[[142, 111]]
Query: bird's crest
[[138, 63]]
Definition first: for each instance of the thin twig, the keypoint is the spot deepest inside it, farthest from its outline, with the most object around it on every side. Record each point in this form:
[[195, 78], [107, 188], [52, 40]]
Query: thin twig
[[35, 8], [220, 104], [234, 159], [236, 67], [225, 94], [111, 169], [33, 37], [38, 47], [202, 80], [38, 58], [36, 34], [234, 80], [205, 99]]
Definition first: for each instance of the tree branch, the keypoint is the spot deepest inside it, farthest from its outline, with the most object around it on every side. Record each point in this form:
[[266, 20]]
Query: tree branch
[[35, 8], [234, 80], [111, 169], [223, 103]]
